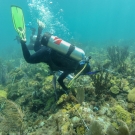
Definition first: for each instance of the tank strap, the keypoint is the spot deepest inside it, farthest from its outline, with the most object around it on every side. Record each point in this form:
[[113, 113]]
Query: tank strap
[[70, 50]]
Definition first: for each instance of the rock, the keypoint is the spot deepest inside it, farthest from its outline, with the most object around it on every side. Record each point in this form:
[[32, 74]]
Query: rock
[[75, 120]]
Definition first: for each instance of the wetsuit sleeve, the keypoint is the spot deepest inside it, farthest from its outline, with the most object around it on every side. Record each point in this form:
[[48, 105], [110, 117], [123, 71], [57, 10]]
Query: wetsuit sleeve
[[34, 58], [37, 44], [61, 78]]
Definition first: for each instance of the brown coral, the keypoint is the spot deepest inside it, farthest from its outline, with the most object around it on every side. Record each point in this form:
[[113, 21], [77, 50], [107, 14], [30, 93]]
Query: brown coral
[[12, 117], [131, 95]]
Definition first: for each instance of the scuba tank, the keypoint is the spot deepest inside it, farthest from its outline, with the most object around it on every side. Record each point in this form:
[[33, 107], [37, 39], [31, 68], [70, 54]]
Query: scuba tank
[[63, 47]]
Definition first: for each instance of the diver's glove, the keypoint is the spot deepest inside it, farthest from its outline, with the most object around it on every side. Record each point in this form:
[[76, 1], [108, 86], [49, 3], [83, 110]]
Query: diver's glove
[[22, 41]]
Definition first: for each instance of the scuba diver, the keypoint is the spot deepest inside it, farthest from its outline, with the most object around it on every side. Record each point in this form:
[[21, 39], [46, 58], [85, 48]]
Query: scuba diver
[[72, 61], [57, 53]]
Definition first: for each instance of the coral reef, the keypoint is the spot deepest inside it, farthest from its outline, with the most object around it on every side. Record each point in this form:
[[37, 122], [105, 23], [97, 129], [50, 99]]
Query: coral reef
[[115, 89], [95, 129], [11, 117], [118, 55], [80, 96], [131, 95], [122, 114], [99, 104], [3, 93], [3, 72], [100, 82]]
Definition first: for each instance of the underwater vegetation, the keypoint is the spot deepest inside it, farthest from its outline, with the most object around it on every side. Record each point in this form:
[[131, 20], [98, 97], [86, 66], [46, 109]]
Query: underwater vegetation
[[3, 72], [117, 55], [5, 67], [99, 104], [101, 82], [11, 118]]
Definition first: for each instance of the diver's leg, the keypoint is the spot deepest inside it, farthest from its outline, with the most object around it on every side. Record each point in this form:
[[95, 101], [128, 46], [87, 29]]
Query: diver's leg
[[37, 44], [34, 58], [61, 78]]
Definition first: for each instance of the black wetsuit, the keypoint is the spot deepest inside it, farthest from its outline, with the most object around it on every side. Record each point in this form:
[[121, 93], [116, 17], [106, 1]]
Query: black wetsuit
[[55, 60], [31, 43]]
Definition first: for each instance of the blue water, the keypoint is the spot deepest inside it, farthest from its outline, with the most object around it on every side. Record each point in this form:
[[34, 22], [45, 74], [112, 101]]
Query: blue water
[[78, 20]]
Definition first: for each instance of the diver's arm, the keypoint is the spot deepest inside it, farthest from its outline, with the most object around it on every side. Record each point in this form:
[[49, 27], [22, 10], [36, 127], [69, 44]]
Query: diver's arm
[[39, 32], [34, 58], [25, 50], [33, 30], [37, 44], [61, 78]]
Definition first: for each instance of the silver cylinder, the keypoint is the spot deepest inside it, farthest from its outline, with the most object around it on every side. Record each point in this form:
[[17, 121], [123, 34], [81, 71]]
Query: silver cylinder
[[63, 47]]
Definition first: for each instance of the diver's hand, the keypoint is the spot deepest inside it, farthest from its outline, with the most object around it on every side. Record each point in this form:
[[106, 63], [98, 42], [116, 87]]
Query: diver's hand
[[23, 41], [41, 25]]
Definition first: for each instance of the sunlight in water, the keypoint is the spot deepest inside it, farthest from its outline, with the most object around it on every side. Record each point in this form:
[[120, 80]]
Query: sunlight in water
[[42, 10]]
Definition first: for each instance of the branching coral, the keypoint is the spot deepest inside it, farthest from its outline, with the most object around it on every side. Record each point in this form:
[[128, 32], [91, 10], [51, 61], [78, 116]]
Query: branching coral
[[117, 55], [101, 81]]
